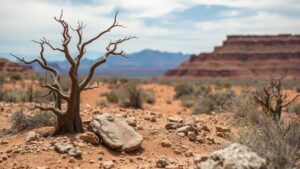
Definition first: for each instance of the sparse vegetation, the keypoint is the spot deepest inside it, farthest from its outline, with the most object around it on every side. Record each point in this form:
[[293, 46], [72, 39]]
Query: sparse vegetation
[[148, 96], [213, 102], [103, 103], [272, 99], [21, 122], [183, 89], [264, 131], [128, 95], [15, 77], [294, 108]]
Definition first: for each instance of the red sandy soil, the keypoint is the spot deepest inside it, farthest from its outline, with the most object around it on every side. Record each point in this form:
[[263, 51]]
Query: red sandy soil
[[41, 153]]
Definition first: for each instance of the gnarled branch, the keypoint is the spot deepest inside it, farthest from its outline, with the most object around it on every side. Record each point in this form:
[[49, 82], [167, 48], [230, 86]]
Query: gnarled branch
[[56, 111], [94, 86], [56, 90], [111, 50]]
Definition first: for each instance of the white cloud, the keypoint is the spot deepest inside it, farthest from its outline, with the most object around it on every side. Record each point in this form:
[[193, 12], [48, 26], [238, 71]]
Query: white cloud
[[230, 13], [261, 22], [22, 21]]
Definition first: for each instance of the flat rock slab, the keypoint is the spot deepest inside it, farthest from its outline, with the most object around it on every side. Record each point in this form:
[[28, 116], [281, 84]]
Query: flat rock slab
[[116, 133]]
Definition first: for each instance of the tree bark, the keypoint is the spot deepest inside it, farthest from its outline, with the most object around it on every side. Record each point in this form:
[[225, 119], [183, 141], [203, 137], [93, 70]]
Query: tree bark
[[70, 122]]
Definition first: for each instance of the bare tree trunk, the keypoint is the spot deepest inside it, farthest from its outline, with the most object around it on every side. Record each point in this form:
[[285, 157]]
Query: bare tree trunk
[[70, 122]]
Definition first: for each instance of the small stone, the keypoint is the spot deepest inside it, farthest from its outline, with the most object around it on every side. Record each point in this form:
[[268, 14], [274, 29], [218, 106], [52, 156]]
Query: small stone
[[162, 162], [75, 152], [152, 119], [183, 129], [2, 142], [222, 130], [166, 143], [200, 139], [32, 136], [8, 151], [62, 148], [108, 164], [189, 153], [173, 125], [4, 158], [71, 160], [205, 128], [131, 121], [175, 119], [92, 161], [181, 134], [100, 158], [90, 137], [192, 136], [42, 167], [211, 141]]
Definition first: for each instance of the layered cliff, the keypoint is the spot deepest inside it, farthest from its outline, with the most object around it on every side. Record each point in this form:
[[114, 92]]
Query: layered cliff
[[12, 67], [246, 56]]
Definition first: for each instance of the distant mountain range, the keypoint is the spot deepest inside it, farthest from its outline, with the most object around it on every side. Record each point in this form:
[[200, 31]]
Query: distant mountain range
[[144, 63]]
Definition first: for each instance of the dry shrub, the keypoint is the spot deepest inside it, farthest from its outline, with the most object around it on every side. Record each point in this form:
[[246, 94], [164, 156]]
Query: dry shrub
[[148, 96], [294, 108], [128, 95], [276, 141], [183, 90], [21, 122], [213, 102], [103, 103]]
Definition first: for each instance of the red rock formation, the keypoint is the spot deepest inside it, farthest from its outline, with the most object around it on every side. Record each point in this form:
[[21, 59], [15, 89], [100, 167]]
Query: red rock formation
[[246, 56], [12, 67]]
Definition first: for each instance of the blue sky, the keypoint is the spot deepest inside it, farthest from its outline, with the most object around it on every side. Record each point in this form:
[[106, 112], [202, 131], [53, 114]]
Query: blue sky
[[188, 26]]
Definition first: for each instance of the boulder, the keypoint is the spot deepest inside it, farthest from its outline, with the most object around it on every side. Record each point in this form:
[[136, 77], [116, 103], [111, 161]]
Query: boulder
[[116, 133], [235, 156]]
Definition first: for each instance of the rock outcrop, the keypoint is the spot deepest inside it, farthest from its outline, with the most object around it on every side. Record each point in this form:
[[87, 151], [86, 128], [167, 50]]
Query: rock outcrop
[[116, 133], [235, 156], [12, 67], [246, 57]]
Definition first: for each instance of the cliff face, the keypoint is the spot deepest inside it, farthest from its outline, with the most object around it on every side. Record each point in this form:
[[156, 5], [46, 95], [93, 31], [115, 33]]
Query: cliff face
[[246, 56], [12, 67]]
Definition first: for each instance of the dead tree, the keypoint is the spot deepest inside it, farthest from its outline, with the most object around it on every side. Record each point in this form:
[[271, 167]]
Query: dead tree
[[272, 99], [70, 120]]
